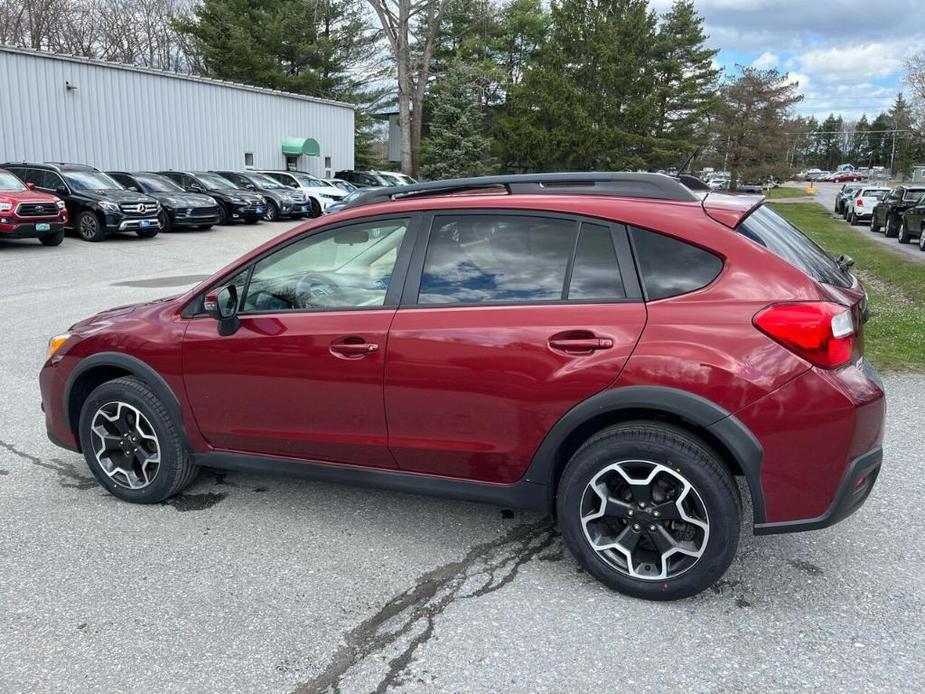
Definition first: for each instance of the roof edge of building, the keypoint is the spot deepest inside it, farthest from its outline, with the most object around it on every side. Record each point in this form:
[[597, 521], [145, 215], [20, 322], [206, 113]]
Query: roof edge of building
[[66, 57]]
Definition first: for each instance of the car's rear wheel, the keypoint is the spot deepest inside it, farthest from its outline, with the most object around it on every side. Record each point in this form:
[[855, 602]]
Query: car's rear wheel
[[903, 234], [131, 443], [52, 239], [89, 227], [650, 511], [852, 219], [272, 213], [874, 224], [892, 227]]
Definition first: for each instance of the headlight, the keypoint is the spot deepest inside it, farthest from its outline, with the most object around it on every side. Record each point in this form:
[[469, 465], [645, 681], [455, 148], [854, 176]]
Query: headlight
[[109, 206], [60, 204], [237, 200], [5, 207], [329, 197], [54, 344]]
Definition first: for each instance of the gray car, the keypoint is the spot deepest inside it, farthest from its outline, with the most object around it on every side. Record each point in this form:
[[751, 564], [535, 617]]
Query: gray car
[[283, 202]]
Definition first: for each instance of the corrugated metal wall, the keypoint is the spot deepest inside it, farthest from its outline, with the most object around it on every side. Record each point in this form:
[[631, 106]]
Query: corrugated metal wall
[[135, 119]]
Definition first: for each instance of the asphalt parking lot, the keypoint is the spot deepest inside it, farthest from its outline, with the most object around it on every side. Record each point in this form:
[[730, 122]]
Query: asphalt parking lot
[[258, 584]]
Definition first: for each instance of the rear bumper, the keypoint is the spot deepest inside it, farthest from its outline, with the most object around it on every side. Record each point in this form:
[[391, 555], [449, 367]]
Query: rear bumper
[[856, 485]]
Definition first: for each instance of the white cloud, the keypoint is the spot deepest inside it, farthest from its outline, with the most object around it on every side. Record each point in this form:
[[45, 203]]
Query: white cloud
[[765, 60], [798, 78], [857, 62]]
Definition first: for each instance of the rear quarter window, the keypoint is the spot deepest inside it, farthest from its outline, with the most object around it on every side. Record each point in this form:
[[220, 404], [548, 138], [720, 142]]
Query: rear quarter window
[[669, 266], [767, 228]]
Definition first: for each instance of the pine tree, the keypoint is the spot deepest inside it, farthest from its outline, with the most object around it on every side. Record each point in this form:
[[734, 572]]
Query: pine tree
[[831, 151], [456, 145], [588, 101], [880, 140], [686, 81], [859, 147], [902, 155]]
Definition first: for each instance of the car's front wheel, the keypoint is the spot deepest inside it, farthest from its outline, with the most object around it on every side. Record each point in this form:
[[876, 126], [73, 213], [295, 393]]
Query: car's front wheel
[[89, 227], [131, 443], [874, 224], [852, 219], [903, 234], [650, 511], [892, 227]]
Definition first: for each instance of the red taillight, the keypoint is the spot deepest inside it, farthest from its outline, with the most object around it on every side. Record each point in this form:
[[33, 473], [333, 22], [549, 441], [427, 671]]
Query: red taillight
[[820, 332], [859, 203]]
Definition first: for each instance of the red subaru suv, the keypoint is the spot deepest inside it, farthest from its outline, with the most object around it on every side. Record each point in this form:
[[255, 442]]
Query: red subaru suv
[[617, 348], [28, 214]]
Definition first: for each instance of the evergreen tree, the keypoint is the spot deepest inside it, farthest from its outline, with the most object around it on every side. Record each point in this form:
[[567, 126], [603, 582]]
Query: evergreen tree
[[880, 141], [456, 145], [685, 91], [830, 139], [902, 155], [588, 101], [751, 123], [859, 147]]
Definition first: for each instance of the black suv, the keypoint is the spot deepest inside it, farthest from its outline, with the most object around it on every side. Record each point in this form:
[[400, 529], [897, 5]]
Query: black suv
[[96, 204], [889, 211], [282, 201], [178, 208], [234, 204]]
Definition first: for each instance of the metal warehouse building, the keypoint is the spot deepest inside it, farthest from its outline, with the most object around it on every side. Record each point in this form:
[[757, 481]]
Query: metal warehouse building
[[114, 116]]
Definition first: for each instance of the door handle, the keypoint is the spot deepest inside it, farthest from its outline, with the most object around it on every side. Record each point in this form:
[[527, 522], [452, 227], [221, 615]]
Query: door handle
[[353, 348], [580, 345]]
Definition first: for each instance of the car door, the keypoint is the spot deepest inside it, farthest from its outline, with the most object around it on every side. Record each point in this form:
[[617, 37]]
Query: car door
[[508, 319], [302, 375]]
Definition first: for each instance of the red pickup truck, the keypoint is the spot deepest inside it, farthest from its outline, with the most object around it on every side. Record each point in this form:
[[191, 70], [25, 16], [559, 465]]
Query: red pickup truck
[[26, 213]]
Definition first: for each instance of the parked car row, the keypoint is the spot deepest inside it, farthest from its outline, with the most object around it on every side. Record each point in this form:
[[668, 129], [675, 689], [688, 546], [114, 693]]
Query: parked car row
[[898, 211], [43, 200]]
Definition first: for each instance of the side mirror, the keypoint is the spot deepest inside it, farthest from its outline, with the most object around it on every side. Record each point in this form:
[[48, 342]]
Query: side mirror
[[30, 186], [223, 307]]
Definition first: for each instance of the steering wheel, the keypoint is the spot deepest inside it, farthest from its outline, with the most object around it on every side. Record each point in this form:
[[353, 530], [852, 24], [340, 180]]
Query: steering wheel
[[318, 291]]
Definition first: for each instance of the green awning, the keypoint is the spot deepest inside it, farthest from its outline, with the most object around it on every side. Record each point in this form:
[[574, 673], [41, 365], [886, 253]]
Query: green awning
[[294, 146]]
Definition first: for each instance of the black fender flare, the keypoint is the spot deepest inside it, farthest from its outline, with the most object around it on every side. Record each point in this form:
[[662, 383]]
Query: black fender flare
[[134, 366], [717, 421]]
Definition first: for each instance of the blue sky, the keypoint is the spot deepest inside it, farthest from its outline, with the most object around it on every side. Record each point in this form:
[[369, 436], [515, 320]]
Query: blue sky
[[847, 55]]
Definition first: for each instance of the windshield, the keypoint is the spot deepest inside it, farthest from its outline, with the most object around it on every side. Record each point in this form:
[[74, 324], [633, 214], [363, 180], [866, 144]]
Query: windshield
[[214, 181], [152, 183], [307, 180], [9, 182], [769, 229], [90, 180], [264, 181]]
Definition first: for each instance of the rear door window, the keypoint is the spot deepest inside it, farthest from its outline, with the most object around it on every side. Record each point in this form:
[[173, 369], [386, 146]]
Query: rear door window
[[769, 229], [669, 266]]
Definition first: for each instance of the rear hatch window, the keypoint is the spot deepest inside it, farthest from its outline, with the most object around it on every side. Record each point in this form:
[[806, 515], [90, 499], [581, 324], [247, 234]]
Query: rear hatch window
[[769, 229]]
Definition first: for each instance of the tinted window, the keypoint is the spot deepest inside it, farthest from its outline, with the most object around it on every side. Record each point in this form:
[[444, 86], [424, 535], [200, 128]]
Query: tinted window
[[350, 267], [122, 179], [478, 259], [670, 266], [913, 194], [152, 183], [596, 274], [766, 227]]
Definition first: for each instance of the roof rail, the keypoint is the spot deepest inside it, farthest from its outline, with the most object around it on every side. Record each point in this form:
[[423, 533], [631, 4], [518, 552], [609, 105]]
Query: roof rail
[[630, 185]]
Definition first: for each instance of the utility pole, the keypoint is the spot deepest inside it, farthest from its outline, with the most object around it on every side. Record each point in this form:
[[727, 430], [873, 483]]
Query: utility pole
[[893, 152]]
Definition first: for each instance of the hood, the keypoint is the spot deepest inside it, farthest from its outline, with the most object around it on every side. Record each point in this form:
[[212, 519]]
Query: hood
[[18, 196], [115, 195], [105, 318], [184, 199], [239, 193]]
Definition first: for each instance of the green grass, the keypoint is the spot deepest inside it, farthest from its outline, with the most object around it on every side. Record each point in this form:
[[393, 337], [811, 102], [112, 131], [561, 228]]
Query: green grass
[[784, 192], [895, 336]]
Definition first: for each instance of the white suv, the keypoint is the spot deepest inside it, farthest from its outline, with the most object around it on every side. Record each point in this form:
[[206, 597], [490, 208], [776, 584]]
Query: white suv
[[861, 205], [320, 191]]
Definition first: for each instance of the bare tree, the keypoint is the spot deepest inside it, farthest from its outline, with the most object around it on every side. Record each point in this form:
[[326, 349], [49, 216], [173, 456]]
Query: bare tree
[[411, 27]]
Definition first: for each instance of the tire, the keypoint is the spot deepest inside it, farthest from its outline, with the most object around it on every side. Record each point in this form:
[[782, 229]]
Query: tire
[[874, 224], [164, 218], [272, 214], [852, 219], [128, 397], [314, 208], [52, 239], [223, 215], [922, 240], [89, 227], [903, 234], [677, 458], [147, 233], [204, 227], [892, 229]]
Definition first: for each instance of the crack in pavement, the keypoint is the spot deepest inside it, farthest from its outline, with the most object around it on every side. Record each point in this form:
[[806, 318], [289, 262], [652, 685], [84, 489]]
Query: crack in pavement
[[490, 566], [64, 471]]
